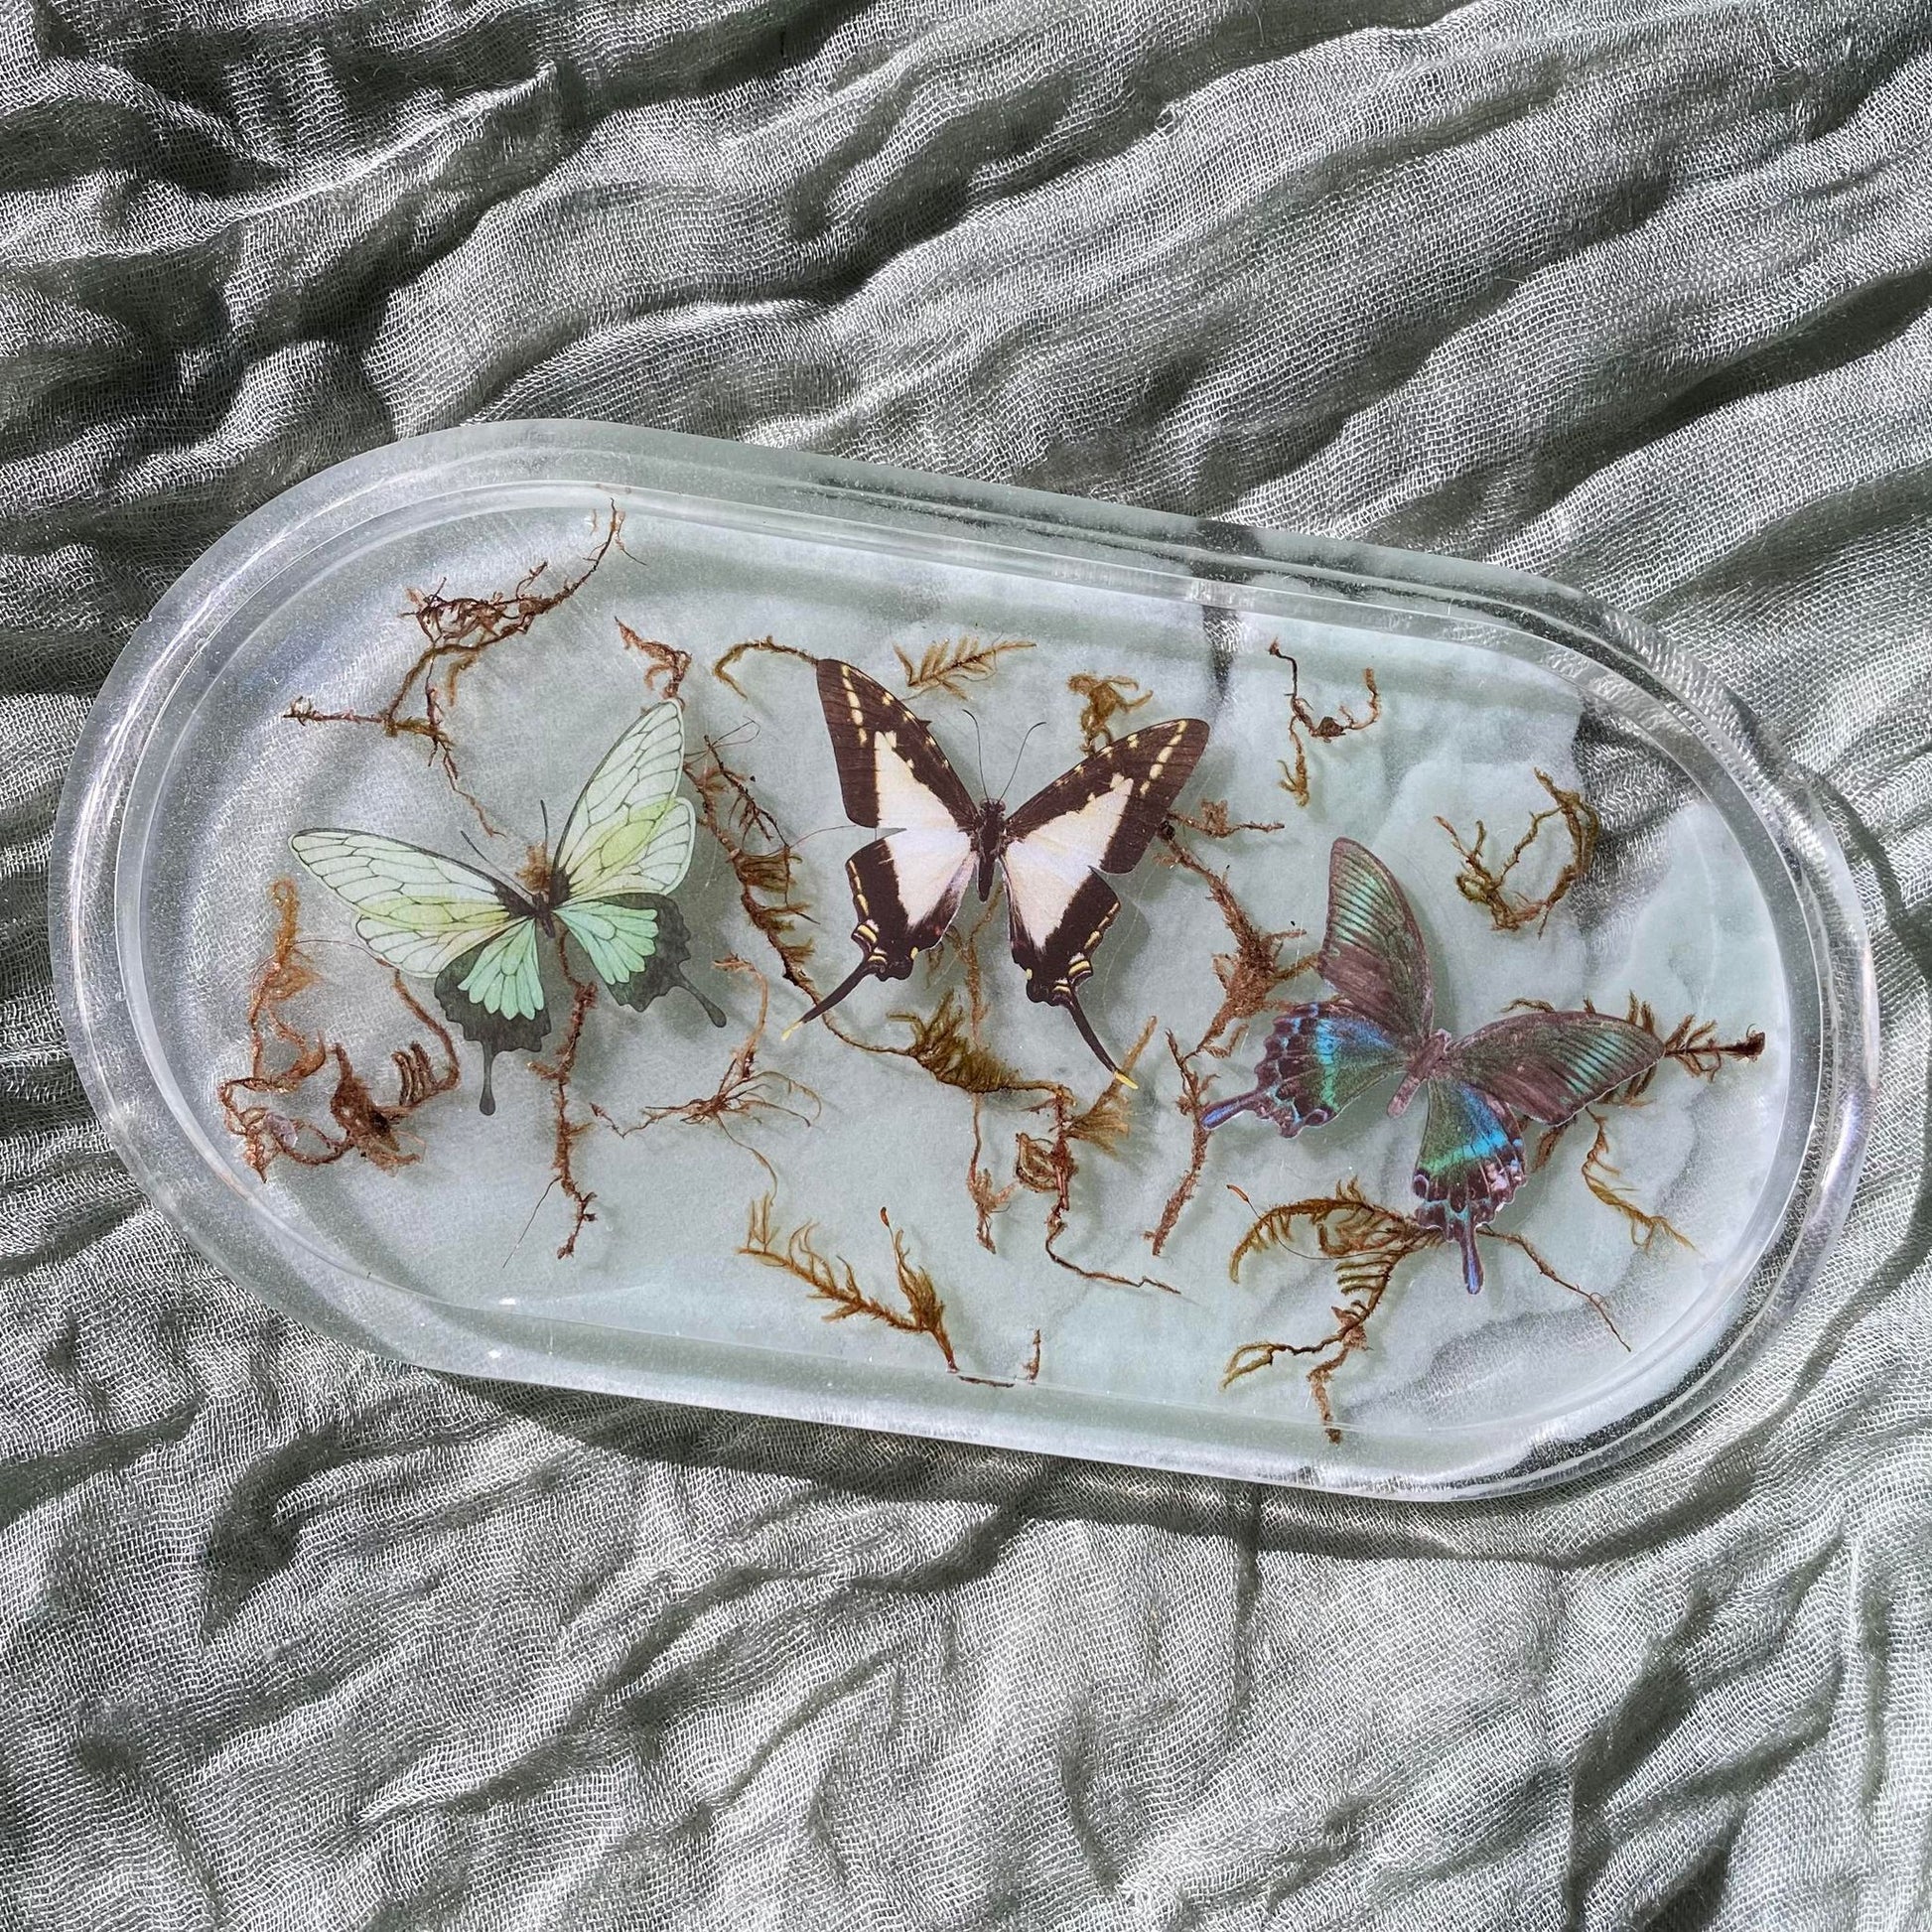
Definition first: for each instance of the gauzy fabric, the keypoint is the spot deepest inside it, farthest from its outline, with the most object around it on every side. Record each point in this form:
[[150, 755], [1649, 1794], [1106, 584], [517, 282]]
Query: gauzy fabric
[[1631, 295]]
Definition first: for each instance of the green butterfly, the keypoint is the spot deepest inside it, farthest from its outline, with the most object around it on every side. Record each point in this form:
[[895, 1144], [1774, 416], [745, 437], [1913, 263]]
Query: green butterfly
[[625, 847]]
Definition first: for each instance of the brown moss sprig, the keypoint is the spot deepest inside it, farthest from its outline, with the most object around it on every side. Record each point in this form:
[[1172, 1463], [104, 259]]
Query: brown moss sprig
[[283, 1058], [1253, 969], [666, 664], [1250, 975], [457, 631], [1190, 1103], [1367, 1243], [746, 1092], [1601, 1176], [1215, 821], [955, 663], [1487, 886], [1303, 722], [831, 1278], [567, 1128], [1694, 1045], [1105, 699], [722, 671], [762, 860], [1047, 1164]]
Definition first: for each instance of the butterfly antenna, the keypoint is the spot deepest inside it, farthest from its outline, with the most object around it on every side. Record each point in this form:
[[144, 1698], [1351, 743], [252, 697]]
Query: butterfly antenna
[[979, 747], [1008, 787], [490, 865]]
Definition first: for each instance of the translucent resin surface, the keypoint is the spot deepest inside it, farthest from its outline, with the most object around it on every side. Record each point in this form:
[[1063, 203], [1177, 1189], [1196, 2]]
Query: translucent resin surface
[[934, 1209]]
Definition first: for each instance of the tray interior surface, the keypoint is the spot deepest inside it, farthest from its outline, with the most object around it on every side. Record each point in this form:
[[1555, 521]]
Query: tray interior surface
[[746, 1187]]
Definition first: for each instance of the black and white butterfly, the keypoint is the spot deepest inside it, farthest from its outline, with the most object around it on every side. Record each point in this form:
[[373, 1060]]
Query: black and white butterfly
[[1100, 816]]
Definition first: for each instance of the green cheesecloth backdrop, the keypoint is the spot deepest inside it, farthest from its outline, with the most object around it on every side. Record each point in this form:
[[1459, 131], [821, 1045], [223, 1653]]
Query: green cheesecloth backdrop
[[1632, 295]]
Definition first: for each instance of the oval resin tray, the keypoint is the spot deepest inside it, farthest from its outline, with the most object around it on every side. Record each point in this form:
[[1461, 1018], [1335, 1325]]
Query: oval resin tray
[[454, 854]]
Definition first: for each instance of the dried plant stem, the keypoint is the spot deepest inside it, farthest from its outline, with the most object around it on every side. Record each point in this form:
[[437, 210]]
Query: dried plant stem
[[745, 1091], [1213, 821], [1488, 887], [1600, 1176], [662, 662], [1524, 1246], [1047, 1165], [722, 671], [762, 860], [1250, 976], [1192, 1103]]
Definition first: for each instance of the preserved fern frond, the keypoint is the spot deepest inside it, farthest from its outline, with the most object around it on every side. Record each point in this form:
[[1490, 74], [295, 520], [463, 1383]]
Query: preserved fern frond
[[954, 663]]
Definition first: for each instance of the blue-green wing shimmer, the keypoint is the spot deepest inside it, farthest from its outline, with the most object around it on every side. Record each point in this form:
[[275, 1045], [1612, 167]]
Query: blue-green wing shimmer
[[1471, 1164], [1318, 1057], [1373, 954]]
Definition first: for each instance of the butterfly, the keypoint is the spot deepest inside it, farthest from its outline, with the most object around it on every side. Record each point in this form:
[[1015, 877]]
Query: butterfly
[[1100, 816], [1545, 1065], [625, 847]]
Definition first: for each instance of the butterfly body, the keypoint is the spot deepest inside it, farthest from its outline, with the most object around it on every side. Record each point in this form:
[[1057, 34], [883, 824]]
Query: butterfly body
[[1048, 853], [1420, 1072], [989, 834], [1539, 1066], [623, 849]]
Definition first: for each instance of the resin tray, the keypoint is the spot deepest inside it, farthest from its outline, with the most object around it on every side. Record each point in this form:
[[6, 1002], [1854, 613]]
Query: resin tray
[[934, 1209]]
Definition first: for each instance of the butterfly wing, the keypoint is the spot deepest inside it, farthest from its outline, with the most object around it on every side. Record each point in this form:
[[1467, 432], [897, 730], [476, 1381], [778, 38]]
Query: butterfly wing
[[638, 946], [906, 890], [625, 847], [1471, 1164], [1100, 816], [1318, 1057], [423, 913], [629, 831], [499, 987], [1545, 1065], [1058, 910], [906, 887], [1104, 812], [1548, 1065], [416, 910], [1373, 954], [892, 770]]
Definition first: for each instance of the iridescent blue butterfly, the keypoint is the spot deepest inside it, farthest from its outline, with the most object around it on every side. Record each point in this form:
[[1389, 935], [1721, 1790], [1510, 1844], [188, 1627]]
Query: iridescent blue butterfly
[[1319, 1056]]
